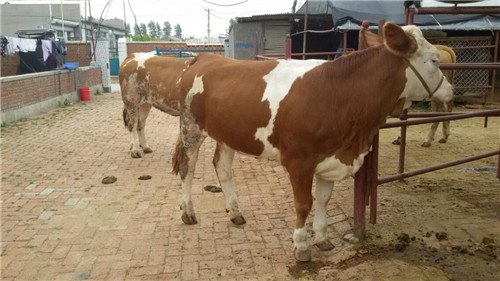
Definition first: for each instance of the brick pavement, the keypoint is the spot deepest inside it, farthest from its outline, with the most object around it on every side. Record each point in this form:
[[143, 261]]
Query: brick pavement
[[59, 222]]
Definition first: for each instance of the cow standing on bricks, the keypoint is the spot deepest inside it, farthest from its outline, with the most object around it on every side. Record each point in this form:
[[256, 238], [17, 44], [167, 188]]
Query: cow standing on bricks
[[316, 117], [147, 80]]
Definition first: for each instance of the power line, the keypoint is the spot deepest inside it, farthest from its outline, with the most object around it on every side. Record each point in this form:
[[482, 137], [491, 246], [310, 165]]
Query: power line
[[226, 5]]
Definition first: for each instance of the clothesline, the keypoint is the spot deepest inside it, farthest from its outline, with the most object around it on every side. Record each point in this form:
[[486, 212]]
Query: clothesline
[[12, 45]]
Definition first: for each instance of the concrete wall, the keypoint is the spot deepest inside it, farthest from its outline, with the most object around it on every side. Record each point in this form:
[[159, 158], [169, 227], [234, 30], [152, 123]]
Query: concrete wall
[[102, 58], [242, 40], [30, 94]]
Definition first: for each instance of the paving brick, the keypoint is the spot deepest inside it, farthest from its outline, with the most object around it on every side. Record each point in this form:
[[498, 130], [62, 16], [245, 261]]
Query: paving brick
[[66, 223]]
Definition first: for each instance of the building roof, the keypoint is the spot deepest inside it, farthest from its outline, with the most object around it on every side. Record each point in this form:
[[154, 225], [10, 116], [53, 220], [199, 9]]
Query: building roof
[[349, 14]]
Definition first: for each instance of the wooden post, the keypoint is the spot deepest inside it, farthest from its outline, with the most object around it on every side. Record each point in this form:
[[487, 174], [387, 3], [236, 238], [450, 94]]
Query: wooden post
[[256, 47], [288, 47]]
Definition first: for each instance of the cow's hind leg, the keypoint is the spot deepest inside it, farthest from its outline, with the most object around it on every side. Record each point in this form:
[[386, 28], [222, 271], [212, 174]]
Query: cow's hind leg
[[323, 194], [130, 117], [223, 160], [448, 107], [184, 162], [143, 115]]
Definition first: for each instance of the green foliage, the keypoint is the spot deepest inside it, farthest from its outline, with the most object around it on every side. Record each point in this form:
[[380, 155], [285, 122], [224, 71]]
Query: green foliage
[[128, 30], [65, 103], [144, 38], [178, 31], [5, 125], [137, 30], [97, 92], [421, 105], [143, 29], [152, 29], [167, 29]]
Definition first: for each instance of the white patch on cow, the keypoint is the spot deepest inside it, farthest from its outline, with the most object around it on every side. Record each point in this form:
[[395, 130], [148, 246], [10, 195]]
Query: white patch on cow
[[197, 88], [279, 81], [332, 169], [141, 58], [300, 237]]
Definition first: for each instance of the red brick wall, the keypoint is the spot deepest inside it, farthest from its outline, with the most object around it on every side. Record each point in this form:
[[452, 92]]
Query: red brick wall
[[9, 65], [77, 52], [36, 87], [138, 47]]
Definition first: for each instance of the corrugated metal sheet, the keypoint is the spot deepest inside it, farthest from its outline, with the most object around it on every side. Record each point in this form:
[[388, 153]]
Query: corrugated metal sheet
[[274, 36]]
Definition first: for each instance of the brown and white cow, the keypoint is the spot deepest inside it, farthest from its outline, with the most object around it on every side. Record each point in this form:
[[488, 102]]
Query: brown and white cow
[[316, 117], [438, 104], [447, 56], [147, 80]]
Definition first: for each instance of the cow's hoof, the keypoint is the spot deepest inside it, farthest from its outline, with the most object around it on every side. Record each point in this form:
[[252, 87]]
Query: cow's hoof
[[239, 220], [147, 150], [302, 256], [187, 219], [135, 154], [426, 144], [325, 245], [443, 140]]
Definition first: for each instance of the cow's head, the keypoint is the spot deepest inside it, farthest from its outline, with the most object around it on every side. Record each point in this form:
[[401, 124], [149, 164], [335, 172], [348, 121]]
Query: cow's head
[[425, 79]]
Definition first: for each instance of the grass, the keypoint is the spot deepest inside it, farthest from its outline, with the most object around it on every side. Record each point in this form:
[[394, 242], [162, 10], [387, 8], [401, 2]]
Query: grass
[[423, 105], [65, 103]]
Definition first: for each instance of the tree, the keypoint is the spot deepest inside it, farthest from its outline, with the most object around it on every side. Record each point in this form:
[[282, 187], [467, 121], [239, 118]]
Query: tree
[[167, 29], [137, 30], [127, 30], [178, 31], [158, 30], [152, 29], [144, 29]]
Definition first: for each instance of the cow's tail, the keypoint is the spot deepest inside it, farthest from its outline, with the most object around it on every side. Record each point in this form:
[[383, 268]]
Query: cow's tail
[[126, 119], [180, 159]]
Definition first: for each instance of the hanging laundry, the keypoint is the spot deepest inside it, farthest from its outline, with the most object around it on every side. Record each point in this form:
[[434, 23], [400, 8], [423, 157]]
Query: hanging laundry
[[12, 45], [3, 45], [46, 49], [27, 45]]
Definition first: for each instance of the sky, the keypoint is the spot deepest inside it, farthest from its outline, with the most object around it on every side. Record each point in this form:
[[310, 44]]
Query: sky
[[191, 15]]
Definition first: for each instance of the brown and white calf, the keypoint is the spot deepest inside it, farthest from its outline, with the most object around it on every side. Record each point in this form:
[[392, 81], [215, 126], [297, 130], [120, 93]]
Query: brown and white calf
[[438, 103], [147, 80], [316, 117]]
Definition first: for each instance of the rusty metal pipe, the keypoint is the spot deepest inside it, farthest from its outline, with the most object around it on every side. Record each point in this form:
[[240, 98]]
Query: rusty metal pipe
[[436, 167], [492, 112], [373, 179], [478, 66], [454, 11]]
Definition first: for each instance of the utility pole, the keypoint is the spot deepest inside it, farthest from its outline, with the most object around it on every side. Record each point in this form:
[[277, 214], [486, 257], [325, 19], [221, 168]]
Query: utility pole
[[208, 25], [125, 21], [304, 44], [92, 45], [62, 20]]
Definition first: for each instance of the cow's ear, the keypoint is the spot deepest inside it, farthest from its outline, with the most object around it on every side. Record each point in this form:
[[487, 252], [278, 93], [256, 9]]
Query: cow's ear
[[369, 38], [398, 41]]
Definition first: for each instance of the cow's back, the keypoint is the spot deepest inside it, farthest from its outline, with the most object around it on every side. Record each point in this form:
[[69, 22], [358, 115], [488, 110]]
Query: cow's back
[[152, 79]]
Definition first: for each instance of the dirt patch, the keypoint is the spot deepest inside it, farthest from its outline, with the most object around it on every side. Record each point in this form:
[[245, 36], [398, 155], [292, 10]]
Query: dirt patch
[[437, 226]]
